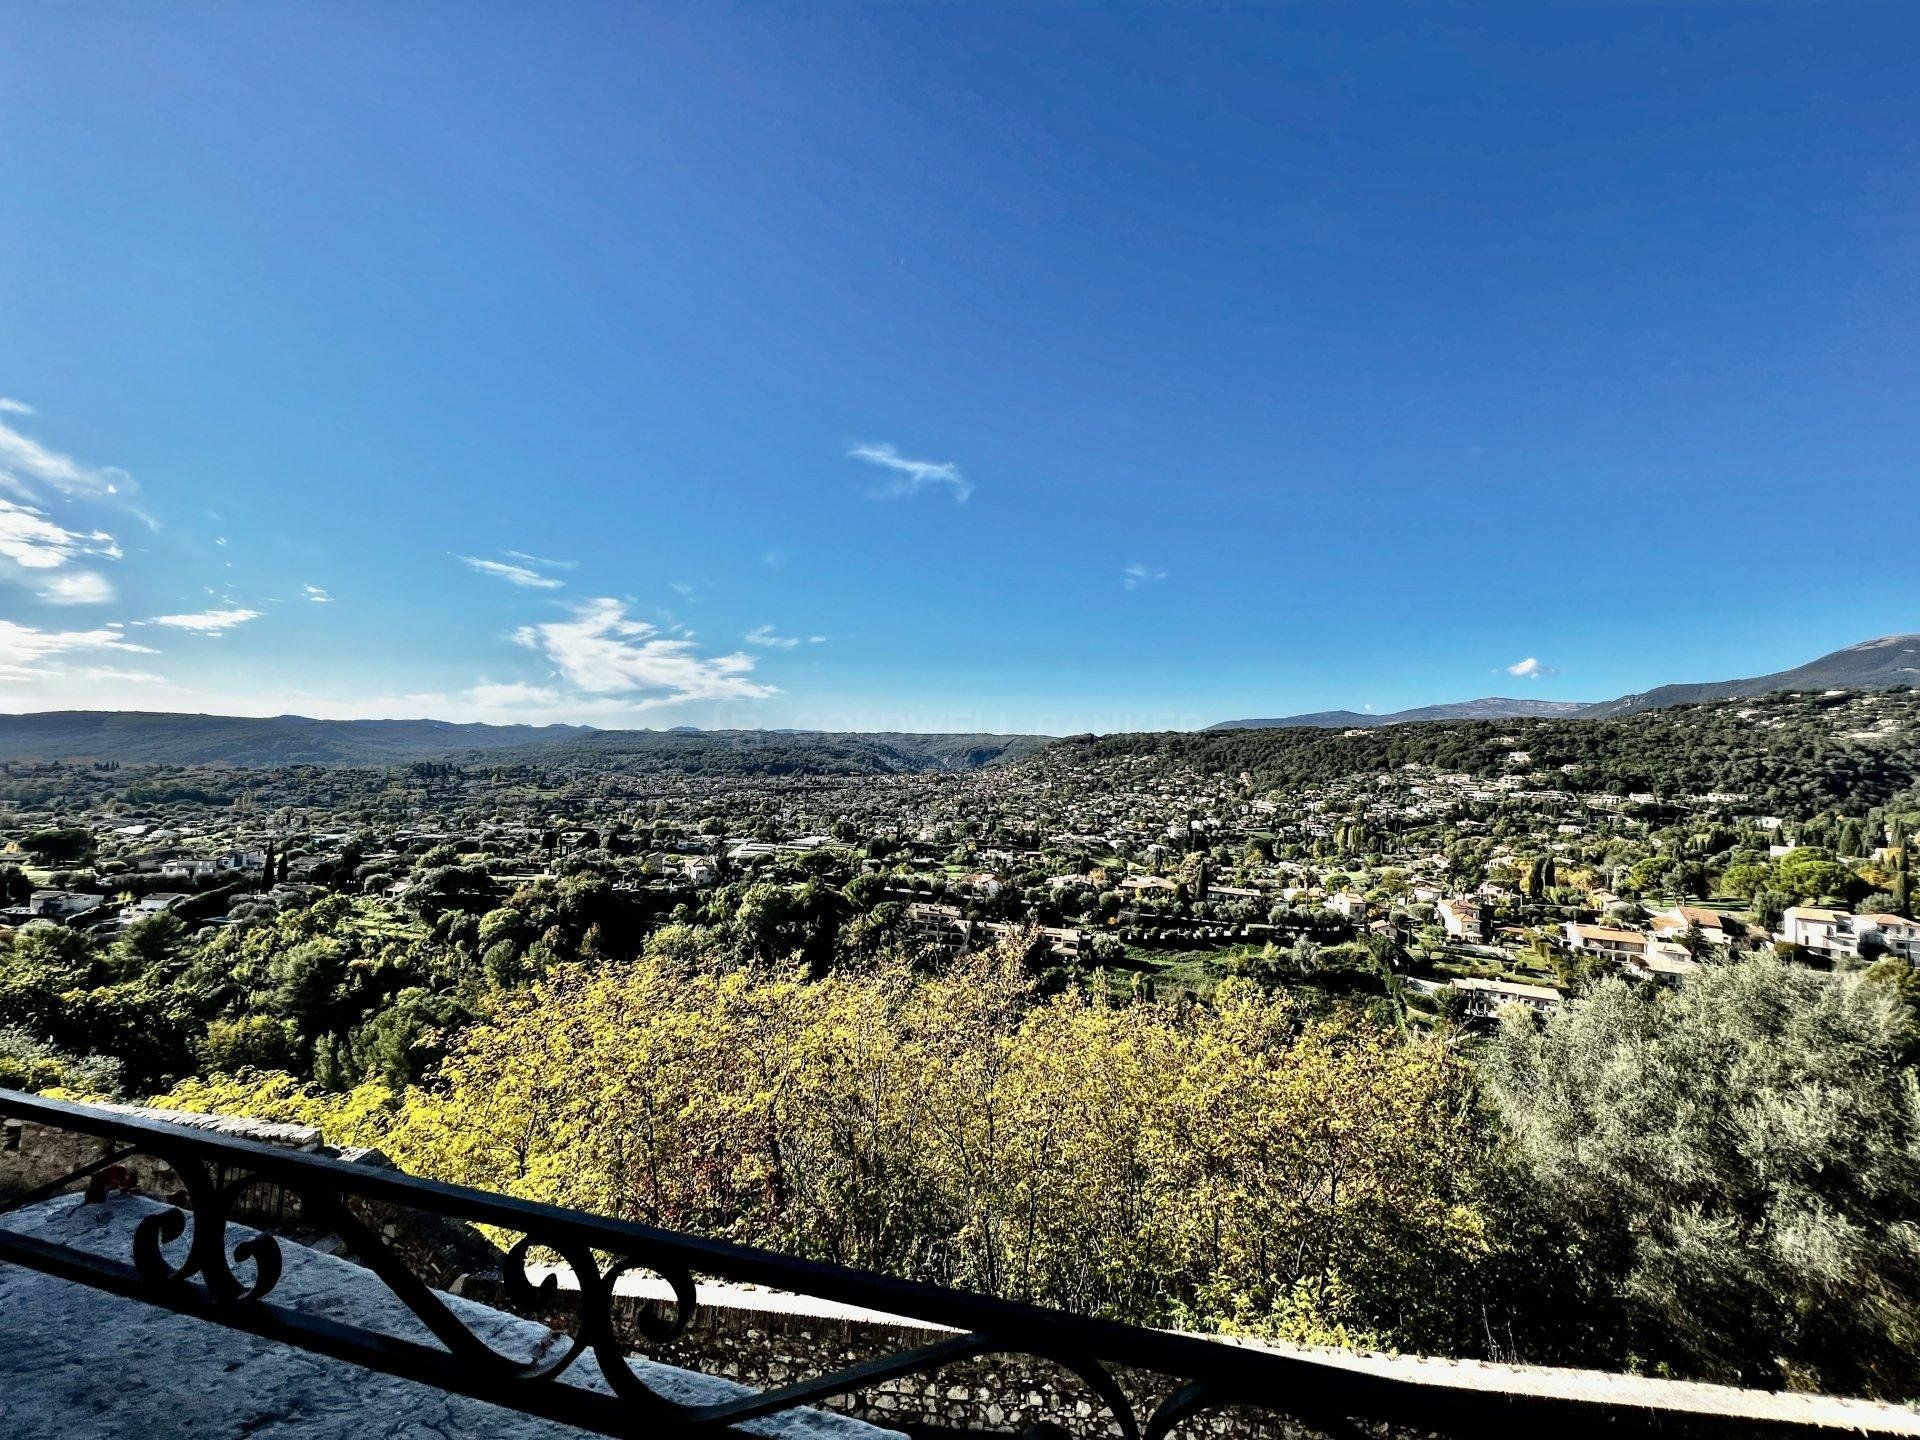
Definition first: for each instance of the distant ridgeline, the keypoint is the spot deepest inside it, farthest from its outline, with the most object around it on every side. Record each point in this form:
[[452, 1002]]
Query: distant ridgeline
[[1426, 735], [134, 737], [1791, 754], [780, 752], [1880, 664]]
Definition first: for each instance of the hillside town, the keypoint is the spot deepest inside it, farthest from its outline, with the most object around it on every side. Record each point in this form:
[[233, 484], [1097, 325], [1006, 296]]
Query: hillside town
[[1439, 892]]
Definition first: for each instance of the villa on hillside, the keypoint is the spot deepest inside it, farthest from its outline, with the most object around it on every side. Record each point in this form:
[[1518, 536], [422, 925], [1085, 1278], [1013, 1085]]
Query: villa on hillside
[[1716, 929], [1607, 942], [1463, 919], [1486, 998], [1839, 934]]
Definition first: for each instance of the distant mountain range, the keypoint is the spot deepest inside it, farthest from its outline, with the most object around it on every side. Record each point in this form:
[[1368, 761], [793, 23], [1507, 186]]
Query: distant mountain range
[[159, 738], [138, 737], [777, 752], [1871, 665], [1492, 708], [155, 738]]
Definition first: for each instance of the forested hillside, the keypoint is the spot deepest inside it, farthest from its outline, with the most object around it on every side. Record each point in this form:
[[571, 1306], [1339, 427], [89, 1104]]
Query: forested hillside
[[778, 752], [1788, 753], [1171, 1028]]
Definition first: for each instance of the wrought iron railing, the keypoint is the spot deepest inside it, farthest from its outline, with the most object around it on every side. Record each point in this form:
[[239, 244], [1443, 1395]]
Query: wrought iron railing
[[183, 1258]]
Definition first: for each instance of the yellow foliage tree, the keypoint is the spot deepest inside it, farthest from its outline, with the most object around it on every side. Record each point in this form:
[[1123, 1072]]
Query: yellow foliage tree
[[1236, 1165]]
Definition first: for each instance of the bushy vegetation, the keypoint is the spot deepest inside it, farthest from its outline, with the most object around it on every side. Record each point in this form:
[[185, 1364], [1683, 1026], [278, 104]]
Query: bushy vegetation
[[1716, 1181], [1234, 1164], [1739, 1161]]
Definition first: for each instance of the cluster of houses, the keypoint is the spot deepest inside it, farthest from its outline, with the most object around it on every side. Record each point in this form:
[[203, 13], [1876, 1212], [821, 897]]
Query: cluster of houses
[[1135, 851], [1675, 939], [1837, 935], [139, 876]]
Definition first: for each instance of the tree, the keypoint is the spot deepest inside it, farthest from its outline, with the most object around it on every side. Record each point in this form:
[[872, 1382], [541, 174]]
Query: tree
[[151, 947], [258, 1042], [865, 891], [68, 846], [1238, 1163], [1808, 874], [29, 1064], [1742, 1157], [1539, 877]]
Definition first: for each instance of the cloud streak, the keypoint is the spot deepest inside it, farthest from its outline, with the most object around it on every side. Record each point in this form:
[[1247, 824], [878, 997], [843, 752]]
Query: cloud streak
[[601, 650], [909, 477], [1134, 576], [765, 638], [33, 541], [207, 622], [521, 575], [24, 650], [540, 561], [28, 468]]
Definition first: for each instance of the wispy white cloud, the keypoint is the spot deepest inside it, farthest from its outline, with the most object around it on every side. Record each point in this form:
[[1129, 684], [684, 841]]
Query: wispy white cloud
[[316, 594], [909, 477], [207, 622], [541, 561], [118, 676], [9, 406], [1529, 669], [603, 651], [763, 636], [520, 575], [29, 469], [77, 587], [33, 541], [25, 651], [816, 639], [1134, 576]]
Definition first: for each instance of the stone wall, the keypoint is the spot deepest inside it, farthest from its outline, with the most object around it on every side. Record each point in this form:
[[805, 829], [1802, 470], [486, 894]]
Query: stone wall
[[782, 1343]]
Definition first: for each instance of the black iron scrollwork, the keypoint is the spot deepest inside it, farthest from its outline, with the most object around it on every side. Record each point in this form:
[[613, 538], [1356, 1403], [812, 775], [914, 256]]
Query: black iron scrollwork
[[208, 1209]]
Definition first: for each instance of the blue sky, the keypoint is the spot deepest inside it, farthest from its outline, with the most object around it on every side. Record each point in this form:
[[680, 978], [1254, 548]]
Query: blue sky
[[948, 367]]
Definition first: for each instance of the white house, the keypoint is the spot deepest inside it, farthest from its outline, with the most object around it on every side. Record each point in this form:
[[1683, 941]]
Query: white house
[[1349, 903], [1671, 924], [1837, 934], [189, 869], [1485, 998], [1607, 942], [61, 904], [1663, 963], [148, 906], [1462, 919]]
